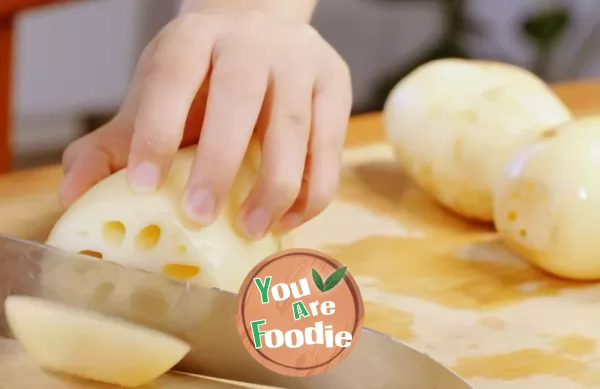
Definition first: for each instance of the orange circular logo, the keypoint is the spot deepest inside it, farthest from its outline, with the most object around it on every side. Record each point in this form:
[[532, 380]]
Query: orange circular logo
[[299, 313]]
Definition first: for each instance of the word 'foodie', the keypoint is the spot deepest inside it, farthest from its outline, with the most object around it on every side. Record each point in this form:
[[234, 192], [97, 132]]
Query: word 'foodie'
[[318, 334]]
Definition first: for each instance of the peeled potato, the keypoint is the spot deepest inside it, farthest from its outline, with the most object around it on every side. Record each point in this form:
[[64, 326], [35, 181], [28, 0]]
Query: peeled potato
[[454, 123], [547, 203], [150, 232], [89, 345]]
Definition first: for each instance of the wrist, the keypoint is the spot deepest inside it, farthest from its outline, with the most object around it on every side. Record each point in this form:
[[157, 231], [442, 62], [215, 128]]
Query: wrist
[[295, 10]]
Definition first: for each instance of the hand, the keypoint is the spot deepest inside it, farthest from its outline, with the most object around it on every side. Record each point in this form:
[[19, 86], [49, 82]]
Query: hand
[[234, 74]]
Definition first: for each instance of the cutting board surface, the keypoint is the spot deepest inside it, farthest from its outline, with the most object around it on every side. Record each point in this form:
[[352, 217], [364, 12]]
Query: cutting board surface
[[451, 289], [445, 286], [17, 371]]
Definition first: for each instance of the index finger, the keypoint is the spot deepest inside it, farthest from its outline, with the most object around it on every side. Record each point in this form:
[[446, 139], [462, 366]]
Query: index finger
[[173, 73]]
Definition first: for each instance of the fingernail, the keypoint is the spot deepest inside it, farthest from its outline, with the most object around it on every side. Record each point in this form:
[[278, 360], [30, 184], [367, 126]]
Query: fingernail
[[145, 178], [289, 222], [256, 222], [200, 206]]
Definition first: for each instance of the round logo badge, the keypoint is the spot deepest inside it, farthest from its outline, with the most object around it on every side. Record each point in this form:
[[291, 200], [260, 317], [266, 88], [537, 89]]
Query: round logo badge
[[300, 312]]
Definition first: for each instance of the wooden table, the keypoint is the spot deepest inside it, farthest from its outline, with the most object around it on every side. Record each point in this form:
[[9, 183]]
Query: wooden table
[[445, 286]]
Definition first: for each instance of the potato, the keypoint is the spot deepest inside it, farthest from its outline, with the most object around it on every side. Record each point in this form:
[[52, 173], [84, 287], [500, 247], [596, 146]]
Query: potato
[[89, 345], [548, 199], [454, 123], [150, 232]]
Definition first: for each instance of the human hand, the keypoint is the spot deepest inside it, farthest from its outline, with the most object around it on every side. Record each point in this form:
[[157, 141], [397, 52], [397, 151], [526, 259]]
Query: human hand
[[234, 74]]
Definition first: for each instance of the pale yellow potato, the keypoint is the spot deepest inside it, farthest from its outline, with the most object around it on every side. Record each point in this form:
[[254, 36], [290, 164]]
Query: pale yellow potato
[[548, 201], [91, 346], [150, 232], [454, 123]]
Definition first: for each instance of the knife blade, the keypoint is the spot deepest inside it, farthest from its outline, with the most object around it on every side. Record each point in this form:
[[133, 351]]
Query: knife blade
[[204, 317]]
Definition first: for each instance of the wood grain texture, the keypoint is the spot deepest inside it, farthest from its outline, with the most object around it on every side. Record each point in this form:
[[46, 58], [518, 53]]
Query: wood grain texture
[[451, 288], [448, 287]]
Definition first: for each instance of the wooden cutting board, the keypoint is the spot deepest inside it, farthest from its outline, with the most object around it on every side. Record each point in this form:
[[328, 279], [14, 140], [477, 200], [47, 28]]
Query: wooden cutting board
[[17, 371], [445, 286], [451, 289]]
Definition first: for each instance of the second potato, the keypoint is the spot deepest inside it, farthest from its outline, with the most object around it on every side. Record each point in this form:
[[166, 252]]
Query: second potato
[[454, 124]]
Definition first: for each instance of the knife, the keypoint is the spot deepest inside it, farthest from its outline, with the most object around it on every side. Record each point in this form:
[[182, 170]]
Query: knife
[[203, 317]]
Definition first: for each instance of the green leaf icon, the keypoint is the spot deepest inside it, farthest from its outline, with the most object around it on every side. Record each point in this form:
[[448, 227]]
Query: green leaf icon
[[318, 280], [331, 281], [334, 279]]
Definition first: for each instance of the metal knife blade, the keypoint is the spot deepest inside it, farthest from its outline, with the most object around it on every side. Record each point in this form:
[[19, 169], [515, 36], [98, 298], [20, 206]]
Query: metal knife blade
[[201, 316]]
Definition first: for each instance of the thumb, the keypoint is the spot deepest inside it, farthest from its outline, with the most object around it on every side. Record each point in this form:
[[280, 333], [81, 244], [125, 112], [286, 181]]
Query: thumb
[[92, 158]]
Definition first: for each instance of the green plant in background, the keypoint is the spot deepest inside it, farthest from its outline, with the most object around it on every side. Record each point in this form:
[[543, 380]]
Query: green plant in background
[[449, 45], [543, 29]]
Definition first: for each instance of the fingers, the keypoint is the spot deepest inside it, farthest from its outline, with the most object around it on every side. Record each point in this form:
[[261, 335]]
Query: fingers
[[91, 159], [85, 172], [239, 81], [331, 110], [172, 73], [306, 114], [284, 149]]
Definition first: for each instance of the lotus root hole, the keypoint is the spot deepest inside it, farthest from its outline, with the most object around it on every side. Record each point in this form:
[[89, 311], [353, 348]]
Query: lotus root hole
[[148, 237], [549, 133], [92, 253], [182, 272], [113, 233]]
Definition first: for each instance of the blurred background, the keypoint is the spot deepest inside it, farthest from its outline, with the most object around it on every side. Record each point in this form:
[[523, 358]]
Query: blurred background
[[73, 61]]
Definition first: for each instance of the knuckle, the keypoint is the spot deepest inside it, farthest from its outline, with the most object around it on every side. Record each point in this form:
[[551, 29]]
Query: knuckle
[[218, 164], [188, 21], [72, 150], [295, 121], [160, 71], [149, 136], [236, 76], [239, 65], [85, 144], [218, 183], [297, 42], [335, 76], [282, 191], [332, 141], [309, 33], [339, 68], [182, 39], [253, 18], [318, 200], [148, 52], [343, 69], [191, 24], [215, 171], [183, 27], [167, 66]]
